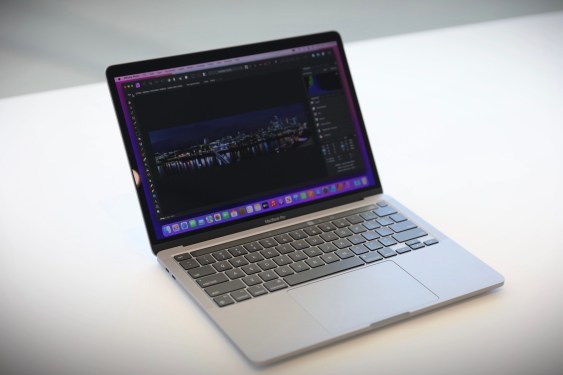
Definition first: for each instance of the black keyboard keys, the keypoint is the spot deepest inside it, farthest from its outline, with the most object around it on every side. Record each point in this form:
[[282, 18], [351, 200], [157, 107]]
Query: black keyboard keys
[[196, 273], [409, 234], [257, 290], [240, 295], [312, 231], [206, 259], [384, 211], [329, 269], [274, 285], [223, 301], [189, 264], [182, 257], [253, 246], [211, 280], [223, 288], [402, 226], [268, 242]]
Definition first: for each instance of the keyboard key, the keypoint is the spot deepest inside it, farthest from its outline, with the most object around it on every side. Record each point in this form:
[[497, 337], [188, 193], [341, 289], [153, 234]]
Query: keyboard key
[[368, 215], [206, 259], [269, 253], [223, 301], [252, 280], [342, 243], [268, 275], [312, 231], [385, 221], [181, 257], [355, 219], [373, 245], [384, 211], [387, 241], [326, 227], [314, 262], [299, 266], [330, 258], [285, 248], [251, 269], [340, 223], [257, 290], [283, 238], [398, 218], [329, 236], [370, 235], [359, 249], [297, 256], [223, 288], [384, 231], [314, 241], [240, 295], [237, 251], [274, 285], [371, 224], [327, 247], [298, 235], [433, 241], [238, 261], [402, 250], [221, 255], [282, 260], [344, 253], [329, 269], [284, 271], [412, 242], [210, 280], [382, 204], [343, 232], [253, 246], [409, 234], [371, 257], [254, 257], [267, 264], [387, 252], [189, 264], [357, 228], [196, 273], [235, 273], [300, 244], [312, 252], [417, 246], [268, 242], [402, 226], [356, 239], [222, 266]]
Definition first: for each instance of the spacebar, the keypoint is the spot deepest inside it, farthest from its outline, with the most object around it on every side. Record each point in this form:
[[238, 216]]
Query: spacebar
[[329, 269]]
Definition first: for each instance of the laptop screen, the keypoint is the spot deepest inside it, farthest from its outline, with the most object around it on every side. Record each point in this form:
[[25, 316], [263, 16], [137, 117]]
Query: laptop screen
[[229, 140]]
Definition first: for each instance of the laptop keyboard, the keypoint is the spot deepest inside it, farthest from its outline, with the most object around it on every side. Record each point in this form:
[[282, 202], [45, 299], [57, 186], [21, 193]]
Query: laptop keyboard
[[296, 255]]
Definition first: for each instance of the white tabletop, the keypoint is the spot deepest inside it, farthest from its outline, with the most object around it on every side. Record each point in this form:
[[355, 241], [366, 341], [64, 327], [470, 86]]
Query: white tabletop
[[466, 126]]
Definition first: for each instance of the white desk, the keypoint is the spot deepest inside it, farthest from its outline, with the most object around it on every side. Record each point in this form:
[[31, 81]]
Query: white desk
[[466, 125]]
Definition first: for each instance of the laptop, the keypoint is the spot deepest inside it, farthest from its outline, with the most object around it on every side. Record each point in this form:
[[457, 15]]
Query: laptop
[[261, 197]]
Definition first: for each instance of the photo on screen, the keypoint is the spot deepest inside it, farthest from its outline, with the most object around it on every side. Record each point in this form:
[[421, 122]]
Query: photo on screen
[[225, 141]]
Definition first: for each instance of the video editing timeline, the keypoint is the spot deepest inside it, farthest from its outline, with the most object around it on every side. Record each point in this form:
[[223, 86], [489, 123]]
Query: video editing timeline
[[319, 120]]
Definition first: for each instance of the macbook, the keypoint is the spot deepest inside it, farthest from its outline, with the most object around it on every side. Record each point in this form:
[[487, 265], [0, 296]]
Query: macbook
[[261, 197]]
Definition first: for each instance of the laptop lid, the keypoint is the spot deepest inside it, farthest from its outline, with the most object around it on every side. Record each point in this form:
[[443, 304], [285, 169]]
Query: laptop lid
[[231, 139]]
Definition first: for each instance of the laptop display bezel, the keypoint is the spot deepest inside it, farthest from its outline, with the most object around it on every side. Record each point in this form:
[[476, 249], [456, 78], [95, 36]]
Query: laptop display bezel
[[201, 57]]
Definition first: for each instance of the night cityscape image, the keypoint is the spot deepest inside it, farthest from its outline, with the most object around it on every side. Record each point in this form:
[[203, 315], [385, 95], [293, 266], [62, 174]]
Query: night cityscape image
[[227, 140]]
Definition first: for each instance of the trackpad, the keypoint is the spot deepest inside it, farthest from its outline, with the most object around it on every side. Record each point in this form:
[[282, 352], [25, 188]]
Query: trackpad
[[363, 297]]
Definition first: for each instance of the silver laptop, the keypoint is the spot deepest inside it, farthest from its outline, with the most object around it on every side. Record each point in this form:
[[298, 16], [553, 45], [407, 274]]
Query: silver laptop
[[261, 197]]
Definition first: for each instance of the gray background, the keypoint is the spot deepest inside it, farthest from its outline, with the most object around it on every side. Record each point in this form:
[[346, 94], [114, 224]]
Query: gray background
[[46, 45]]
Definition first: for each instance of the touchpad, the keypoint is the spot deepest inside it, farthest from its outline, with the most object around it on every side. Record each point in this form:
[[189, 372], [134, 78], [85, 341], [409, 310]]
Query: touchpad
[[363, 297]]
